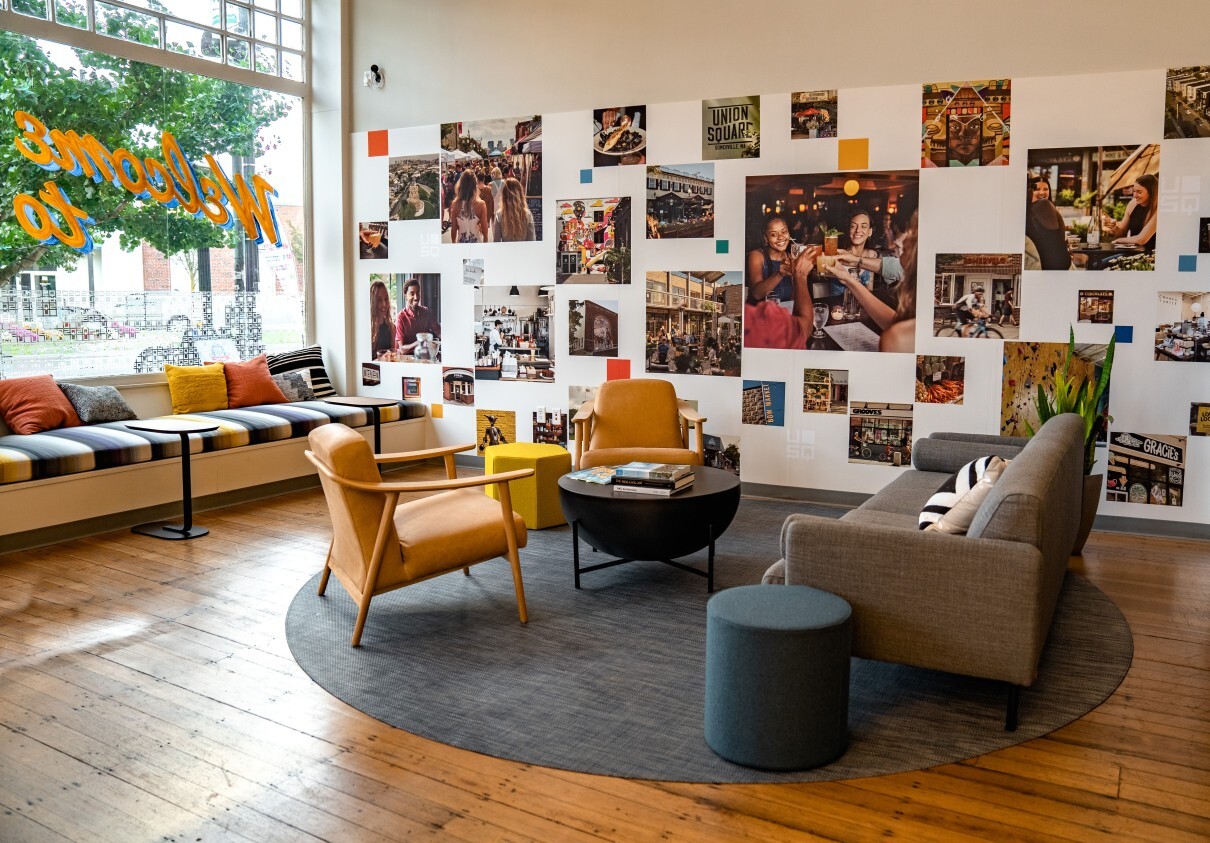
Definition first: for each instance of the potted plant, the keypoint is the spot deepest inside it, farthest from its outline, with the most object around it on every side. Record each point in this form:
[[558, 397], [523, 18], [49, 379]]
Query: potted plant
[[1083, 398]]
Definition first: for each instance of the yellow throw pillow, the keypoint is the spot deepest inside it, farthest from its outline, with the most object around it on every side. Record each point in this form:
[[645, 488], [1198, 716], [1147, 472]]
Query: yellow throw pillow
[[196, 389]]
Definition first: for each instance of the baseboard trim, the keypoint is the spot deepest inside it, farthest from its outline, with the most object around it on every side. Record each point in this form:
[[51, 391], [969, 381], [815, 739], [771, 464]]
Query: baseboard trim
[[1152, 527]]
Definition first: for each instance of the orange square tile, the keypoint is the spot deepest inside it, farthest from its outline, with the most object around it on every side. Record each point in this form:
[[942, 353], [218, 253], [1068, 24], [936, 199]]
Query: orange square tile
[[378, 143], [616, 370], [437, 411], [854, 154]]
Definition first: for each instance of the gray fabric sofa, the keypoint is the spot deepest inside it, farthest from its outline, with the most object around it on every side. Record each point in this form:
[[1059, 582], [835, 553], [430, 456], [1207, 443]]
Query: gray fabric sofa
[[980, 604]]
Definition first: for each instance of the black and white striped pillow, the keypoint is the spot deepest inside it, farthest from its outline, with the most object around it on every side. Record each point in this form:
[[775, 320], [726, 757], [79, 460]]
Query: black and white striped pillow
[[952, 508], [311, 359]]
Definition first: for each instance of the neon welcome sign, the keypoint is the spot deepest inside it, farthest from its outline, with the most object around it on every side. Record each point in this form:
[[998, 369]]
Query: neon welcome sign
[[50, 217]]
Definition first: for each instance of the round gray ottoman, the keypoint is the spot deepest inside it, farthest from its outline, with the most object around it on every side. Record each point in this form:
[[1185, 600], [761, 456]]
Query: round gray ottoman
[[777, 676]]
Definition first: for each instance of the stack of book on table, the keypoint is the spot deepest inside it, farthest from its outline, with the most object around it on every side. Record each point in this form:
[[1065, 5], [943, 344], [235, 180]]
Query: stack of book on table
[[650, 478]]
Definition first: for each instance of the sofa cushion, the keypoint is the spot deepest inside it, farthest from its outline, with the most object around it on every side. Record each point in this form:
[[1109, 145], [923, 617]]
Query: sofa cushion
[[196, 389], [311, 359], [906, 494], [249, 384], [879, 518], [296, 386], [949, 455], [34, 404], [952, 508], [97, 404]]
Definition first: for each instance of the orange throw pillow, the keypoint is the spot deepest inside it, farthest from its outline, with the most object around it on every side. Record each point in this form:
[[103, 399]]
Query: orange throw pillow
[[34, 404], [249, 383]]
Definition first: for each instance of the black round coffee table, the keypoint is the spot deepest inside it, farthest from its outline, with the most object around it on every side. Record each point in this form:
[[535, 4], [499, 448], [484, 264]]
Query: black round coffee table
[[650, 527]]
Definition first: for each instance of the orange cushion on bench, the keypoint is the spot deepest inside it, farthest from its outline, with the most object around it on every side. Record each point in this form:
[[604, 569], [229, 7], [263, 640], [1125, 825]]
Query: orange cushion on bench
[[35, 404], [249, 384]]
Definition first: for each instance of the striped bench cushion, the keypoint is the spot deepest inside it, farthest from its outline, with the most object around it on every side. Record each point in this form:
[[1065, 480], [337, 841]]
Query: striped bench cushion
[[73, 450]]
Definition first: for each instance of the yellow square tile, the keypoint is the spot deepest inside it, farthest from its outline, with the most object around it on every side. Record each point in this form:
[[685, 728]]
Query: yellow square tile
[[436, 411], [854, 154]]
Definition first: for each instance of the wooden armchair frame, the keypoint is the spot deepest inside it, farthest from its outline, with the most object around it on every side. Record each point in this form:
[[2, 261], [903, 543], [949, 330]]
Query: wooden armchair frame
[[392, 491], [688, 417]]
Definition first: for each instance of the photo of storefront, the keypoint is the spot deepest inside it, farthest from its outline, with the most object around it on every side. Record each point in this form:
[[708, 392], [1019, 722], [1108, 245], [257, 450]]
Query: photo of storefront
[[825, 391], [457, 386], [680, 201], [1182, 334], [880, 433], [592, 328], [764, 402], [1096, 306], [1146, 469], [550, 427], [594, 241]]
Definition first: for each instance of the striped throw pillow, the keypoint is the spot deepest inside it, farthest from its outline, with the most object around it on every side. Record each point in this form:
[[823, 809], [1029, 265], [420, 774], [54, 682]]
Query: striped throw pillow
[[952, 508], [312, 360]]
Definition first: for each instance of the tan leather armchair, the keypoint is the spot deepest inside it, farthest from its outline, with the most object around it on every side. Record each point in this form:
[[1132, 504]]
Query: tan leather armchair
[[637, 419], [379, 545]]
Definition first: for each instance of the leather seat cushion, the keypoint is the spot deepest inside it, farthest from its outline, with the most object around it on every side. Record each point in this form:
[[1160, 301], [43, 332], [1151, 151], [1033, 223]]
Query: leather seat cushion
[[446, 531]]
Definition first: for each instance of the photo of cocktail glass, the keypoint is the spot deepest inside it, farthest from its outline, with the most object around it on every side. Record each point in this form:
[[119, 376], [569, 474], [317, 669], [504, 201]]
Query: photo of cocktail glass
[[821, 319]]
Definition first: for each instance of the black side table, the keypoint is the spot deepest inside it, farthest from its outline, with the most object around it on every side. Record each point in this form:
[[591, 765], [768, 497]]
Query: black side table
[[182, 428], [374, 404]]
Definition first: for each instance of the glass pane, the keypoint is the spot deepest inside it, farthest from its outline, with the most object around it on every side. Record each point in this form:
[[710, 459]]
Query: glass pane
[[161, 286], [291, 66], [267, 4], [293, 8], [117, 22], [33, 8], [266, 59], [291, 34], [73, 13], [266, 28], [192, 41], [238, 20], [238, 53], [199, 11]]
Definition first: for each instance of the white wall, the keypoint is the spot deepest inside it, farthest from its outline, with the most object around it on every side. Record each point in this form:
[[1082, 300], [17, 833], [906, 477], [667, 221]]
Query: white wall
[[527, 59]]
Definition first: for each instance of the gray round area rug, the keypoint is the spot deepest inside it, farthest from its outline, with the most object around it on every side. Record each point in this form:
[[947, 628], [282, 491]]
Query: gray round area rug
[[610, 679]]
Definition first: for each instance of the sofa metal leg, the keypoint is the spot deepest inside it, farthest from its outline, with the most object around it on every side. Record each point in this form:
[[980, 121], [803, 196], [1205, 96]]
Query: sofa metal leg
[[1014, 700]]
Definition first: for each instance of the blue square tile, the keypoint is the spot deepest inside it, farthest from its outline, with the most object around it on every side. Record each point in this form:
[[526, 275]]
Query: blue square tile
[[585, 176], [1123, 333], [1187, 263], [722, 247]]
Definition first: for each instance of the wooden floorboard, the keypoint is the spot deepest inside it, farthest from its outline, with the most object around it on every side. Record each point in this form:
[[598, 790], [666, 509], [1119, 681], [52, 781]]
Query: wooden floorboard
[[147, 693]]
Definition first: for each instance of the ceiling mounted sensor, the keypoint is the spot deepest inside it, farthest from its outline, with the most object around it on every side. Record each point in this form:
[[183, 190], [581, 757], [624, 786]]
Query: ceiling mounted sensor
[[513, 291], [374, 77]]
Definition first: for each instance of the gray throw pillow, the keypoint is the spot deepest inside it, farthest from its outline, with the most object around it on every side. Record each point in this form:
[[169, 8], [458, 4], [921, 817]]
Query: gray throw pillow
[[296, 385], [96, 404]]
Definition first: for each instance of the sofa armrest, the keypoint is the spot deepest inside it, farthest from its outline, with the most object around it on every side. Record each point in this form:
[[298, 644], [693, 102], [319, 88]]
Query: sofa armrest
[[984, 438], [966, 605], [949, 455]]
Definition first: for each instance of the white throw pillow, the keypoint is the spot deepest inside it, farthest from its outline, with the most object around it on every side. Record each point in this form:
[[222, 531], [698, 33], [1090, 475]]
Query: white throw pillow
[[952, 508]]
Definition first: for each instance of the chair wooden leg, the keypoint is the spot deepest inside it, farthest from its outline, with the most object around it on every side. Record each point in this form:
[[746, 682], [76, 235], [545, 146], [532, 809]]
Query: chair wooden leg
[[362, 611], [510, 535], [466, 572], [327, 572], [515, 561]]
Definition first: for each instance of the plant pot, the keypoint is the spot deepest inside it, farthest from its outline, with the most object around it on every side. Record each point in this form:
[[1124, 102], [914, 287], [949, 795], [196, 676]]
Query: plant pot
[[1088, 510]]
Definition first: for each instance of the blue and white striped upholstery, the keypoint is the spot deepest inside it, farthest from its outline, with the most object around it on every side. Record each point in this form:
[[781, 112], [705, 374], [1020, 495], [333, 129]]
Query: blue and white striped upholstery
[[73, 450]]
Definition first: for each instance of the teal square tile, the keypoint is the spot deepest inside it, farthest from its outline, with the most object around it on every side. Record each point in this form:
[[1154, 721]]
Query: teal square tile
[[722, 247]]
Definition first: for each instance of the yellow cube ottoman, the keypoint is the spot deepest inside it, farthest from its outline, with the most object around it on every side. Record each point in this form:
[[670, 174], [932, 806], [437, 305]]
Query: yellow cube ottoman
[[536, 498]]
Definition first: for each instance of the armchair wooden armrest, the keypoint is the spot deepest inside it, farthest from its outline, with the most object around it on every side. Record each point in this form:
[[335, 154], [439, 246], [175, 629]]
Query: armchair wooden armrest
[[583, 424], [427, 453], [690, 416], [403, 487]]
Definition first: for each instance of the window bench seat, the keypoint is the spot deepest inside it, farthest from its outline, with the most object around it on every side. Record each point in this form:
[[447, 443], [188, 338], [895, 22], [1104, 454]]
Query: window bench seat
[[84, 474]]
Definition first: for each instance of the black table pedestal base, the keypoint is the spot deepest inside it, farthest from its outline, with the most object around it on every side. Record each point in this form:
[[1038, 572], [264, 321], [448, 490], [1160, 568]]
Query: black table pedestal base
[[708, 573], [172, 532]]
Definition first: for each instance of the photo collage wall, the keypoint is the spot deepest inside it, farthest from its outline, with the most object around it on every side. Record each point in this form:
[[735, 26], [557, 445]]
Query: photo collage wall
[[784, 246]]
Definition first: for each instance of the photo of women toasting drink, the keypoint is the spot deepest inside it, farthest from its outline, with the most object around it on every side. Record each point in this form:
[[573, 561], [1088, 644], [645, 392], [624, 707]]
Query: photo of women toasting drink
[[831, 261]]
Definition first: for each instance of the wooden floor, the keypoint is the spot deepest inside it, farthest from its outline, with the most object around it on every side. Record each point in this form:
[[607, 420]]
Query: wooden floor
[[147, 693]]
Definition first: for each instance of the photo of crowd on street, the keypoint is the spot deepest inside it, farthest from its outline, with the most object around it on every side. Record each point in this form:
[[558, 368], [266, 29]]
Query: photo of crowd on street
[[592, 328], [1092, 207], [414, 188], [731, 128], [491, 181], [977, 296], [405, 317], [966, 124], [831, 261], [594, 241], [680, 201], [694, 323], [1187, 102], [619, 135], [1182, 334], [372, 240], [813, 114]]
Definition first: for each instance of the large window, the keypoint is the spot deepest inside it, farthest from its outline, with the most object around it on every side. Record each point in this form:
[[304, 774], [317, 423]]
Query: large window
[[161, 285]]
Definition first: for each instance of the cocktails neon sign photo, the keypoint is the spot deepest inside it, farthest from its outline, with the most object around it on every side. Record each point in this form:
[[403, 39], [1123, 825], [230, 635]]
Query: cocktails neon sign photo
[[50, 217]]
